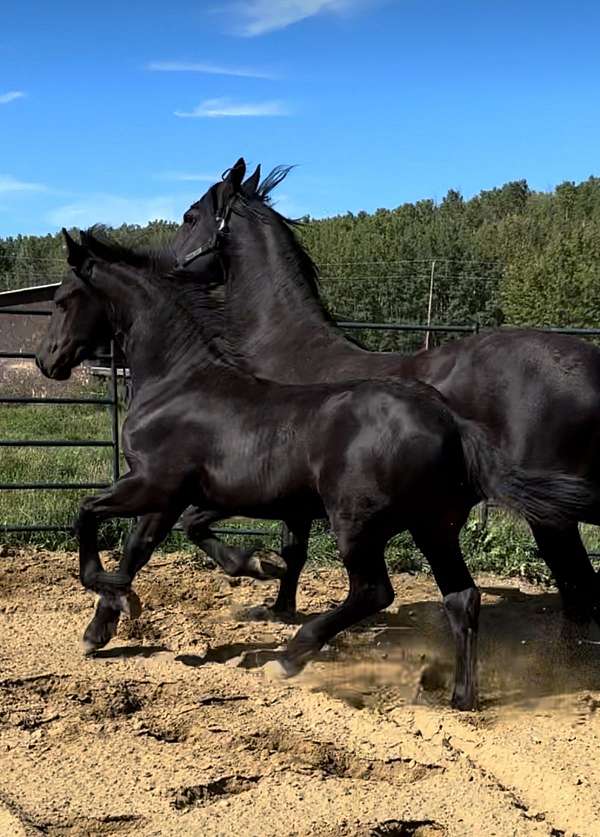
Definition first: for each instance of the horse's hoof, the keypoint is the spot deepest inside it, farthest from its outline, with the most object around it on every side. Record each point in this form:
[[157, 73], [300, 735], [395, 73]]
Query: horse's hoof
[[287, 615], [433, 677], [266, 613], [265, 566], [464, 703], [100, 630], [285, 666], [131, 605], [274, 670], [88, 648], [105, 621]]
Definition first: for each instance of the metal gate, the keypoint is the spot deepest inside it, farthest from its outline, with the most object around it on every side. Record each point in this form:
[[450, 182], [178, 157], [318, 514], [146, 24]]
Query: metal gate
[[11, 303]]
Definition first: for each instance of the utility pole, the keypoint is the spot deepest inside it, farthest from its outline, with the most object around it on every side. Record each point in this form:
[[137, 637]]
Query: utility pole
[[430, 304]]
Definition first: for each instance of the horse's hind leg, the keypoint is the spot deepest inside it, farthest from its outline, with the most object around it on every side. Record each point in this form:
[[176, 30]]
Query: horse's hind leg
[[232, 560], [294, 553], [578, 585], [461, 603], [150, 531], [370, 591]]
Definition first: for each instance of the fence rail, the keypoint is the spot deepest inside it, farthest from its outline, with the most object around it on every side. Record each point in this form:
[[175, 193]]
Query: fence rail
[[9, 300], [11, 303]]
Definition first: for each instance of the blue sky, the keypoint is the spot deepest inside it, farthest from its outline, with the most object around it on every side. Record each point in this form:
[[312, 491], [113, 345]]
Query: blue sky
[[121, 111]]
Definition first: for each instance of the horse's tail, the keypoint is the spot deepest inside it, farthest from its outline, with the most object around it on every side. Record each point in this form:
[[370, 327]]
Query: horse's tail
[[549, 497]]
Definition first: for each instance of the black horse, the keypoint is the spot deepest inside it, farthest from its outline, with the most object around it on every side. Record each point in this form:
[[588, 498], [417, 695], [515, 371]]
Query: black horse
[[374, 457], [536, 394]]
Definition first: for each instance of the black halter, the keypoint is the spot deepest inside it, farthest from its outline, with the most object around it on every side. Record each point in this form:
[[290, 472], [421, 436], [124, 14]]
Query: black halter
[[211, 244]]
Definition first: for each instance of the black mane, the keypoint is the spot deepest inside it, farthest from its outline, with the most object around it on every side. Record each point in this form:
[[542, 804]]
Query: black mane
[[256, 206], [259, 205], [270, 182], [159, 261]]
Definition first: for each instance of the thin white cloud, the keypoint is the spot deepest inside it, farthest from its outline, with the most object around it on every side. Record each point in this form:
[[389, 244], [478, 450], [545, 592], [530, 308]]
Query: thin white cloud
[[187, 177], [114, 210], [287, 206], [8, 183], [214, 108], [207, 68], [261, 16], [5, 98]]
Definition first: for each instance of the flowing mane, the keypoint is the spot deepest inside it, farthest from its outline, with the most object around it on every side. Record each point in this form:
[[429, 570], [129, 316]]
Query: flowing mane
[[159, 261], [253, 285], [297, 265], [259, 203]]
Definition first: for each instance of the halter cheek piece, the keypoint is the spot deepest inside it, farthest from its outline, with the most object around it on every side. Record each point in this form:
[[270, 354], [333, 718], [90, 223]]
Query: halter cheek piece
[[212, 244]]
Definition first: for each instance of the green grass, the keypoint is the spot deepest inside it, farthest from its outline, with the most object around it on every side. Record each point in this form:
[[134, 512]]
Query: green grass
[[40, 507], [504, 546]]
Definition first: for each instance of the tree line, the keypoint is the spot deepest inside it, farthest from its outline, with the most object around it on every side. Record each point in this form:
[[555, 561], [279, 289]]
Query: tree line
[[507, 255]]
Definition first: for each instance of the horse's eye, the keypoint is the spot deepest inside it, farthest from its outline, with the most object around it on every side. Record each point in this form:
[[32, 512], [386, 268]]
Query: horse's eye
[[188, 218]]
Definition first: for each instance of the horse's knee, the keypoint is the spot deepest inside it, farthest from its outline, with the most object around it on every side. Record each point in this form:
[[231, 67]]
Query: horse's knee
[[85, 515]]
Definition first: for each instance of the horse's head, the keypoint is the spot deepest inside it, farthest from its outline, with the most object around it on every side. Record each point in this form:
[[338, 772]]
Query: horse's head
[[78, 328], [206, 222]]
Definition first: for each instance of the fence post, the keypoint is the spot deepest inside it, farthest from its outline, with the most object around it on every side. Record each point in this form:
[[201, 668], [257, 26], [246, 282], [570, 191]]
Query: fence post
[[483, 509], [430, 303], [114, 410]]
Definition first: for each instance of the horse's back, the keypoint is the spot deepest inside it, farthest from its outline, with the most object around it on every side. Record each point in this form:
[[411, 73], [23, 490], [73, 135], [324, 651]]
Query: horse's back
[[537, 393]]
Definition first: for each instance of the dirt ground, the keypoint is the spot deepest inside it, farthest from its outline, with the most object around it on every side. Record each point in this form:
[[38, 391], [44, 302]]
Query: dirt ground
[[175, 730]]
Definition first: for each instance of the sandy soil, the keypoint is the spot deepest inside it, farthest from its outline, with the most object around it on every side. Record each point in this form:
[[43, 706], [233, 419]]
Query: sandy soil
[[174, 729]]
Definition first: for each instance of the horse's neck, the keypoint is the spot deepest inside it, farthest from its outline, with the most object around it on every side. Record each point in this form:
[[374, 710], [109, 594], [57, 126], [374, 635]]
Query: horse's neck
[[282, 332], [274, 315], [155, 336]]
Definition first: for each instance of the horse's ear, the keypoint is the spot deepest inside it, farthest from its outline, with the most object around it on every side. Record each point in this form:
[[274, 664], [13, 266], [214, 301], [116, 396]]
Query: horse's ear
[[231, 186], [78, 256], [236, 175], [76, 253], [250, 186]]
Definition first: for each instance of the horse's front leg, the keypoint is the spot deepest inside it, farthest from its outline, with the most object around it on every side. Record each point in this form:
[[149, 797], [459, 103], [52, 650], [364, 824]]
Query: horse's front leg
[[150, 531], [131, 496], [370, 591]]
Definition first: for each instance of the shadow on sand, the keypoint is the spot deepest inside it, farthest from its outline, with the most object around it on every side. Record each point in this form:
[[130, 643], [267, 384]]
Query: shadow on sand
[[128, 651]]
